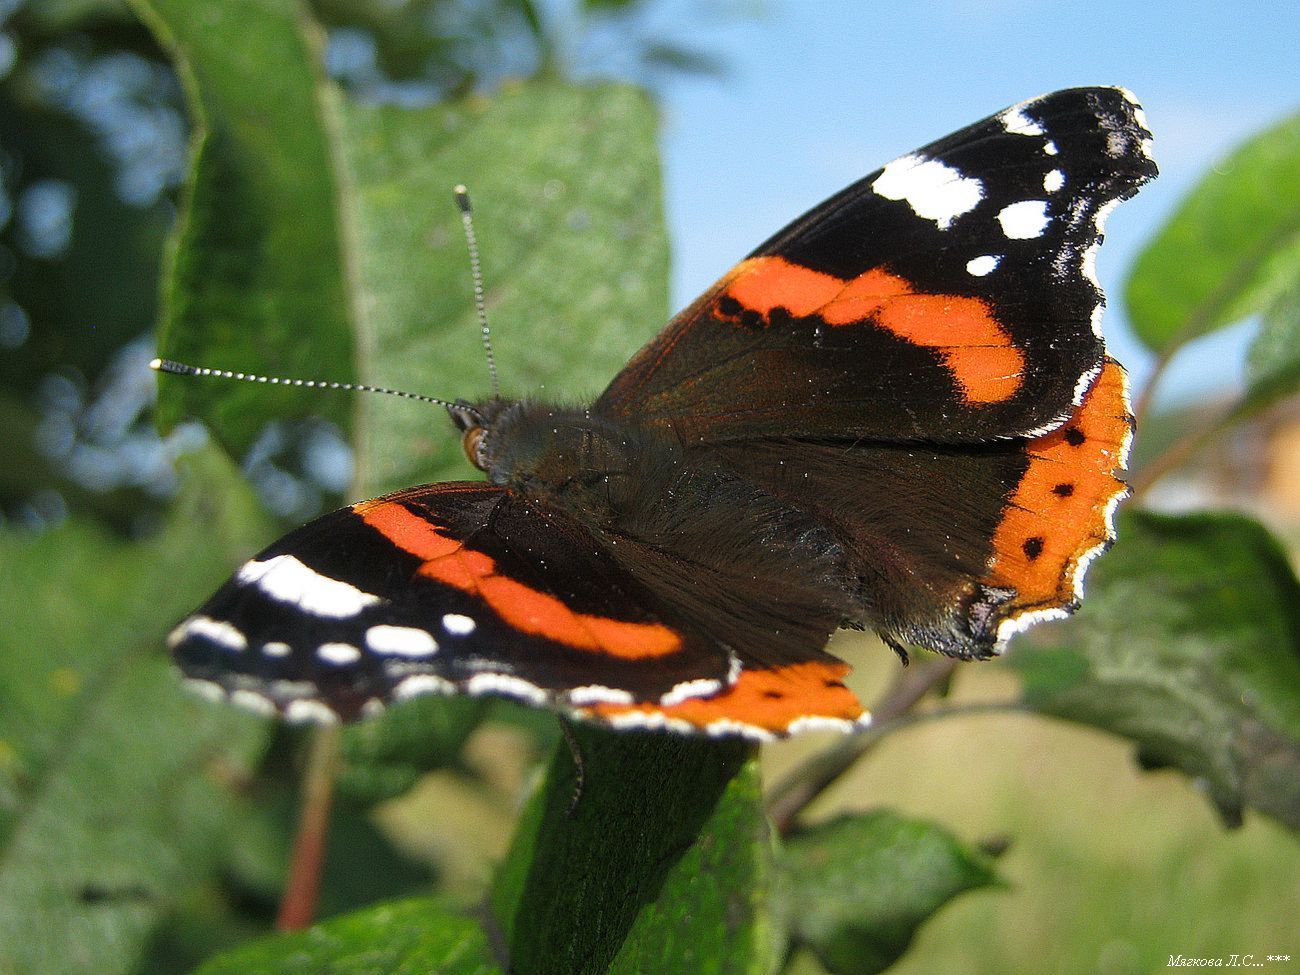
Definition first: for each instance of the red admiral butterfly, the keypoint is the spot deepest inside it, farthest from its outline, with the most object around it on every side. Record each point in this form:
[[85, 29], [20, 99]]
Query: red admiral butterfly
[[897, 413]]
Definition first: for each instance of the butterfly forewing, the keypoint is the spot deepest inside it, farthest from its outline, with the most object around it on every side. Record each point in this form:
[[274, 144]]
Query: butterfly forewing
[[947, 297]]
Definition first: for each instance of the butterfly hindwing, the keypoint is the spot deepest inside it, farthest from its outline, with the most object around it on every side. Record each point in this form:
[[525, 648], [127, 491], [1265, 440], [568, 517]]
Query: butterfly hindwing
[[948, 297], [958, 547]]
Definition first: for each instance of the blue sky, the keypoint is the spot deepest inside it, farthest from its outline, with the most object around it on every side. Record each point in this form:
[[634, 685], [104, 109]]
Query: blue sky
[[817, 94]]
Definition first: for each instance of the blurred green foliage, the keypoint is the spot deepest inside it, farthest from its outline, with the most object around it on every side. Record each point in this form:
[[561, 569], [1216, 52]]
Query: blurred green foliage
[[144, 831]]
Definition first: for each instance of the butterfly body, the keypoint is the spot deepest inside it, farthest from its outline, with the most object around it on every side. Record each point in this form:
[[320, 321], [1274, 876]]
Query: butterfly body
[[895, 414]]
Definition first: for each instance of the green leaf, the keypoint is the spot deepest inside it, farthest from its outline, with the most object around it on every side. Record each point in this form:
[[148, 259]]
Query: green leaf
[[113, 778], [1189, 644], [1273, 365], [320, 233], [257, 276], [384, 757], [565, 183], [856, 889], [413, 937], [711, 916], [1231, 247], [576, 877]]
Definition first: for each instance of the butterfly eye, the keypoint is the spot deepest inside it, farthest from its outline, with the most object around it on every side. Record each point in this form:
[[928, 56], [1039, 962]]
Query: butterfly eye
[[472, 444]]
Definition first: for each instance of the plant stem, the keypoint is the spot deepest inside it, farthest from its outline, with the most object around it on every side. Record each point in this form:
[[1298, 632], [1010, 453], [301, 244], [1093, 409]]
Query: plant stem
[[1173, 457], [302, 888]]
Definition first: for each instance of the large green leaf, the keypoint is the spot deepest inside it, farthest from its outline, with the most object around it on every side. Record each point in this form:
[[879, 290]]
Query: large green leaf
[[257, 276], [112, 776], [566, 188], [1189, 644], [578, 876], [1231, 247], [319, 234], [711, 916], [414, 937], [855, 890]]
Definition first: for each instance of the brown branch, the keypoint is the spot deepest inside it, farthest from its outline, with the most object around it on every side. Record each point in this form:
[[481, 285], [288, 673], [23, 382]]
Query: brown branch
[[302, 888]]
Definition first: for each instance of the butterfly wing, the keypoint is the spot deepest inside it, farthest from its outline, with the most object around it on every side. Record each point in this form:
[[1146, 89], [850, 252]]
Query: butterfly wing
[[948, 297], [958, 548], [461, 587], [917, 364]]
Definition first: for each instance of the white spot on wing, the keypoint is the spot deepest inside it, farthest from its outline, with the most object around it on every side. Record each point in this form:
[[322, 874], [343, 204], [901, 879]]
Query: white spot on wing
[[276, 649], [458, 625], [597, 694], [310, 712], [819, 722], [218, 631], [982, 265], [1053, 181], [402, 641], [1024, 220], [288, 580], [1015, 121], [727, 728], [1049, 147], [252, 701], [515, 687], [419, 684], [338, 653], [689, 689], [1085, 383], [1012, 625], [648, 720], [932, 189]]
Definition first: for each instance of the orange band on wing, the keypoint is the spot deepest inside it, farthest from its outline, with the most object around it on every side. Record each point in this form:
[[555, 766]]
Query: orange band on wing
[[769, 699], [982, 357], [1060, 511], [523, 608]]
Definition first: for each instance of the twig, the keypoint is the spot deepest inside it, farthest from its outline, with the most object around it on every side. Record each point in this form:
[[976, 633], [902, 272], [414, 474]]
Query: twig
[[1174, 456], [302, 888]]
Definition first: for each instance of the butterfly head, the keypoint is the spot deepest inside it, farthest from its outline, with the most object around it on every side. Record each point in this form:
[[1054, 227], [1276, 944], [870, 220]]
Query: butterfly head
[[476, 422]]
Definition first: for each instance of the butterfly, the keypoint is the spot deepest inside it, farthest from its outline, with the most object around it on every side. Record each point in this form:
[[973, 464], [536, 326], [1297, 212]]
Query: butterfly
[[896, 414]]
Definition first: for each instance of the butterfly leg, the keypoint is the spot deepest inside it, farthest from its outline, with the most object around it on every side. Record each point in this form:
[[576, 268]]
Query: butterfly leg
[[898, 648]]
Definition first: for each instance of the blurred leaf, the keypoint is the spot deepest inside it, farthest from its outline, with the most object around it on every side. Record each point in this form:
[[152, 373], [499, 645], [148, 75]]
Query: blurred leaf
[[567, 210], [257, 277], [87, 299], [711, 916], [560, 174], [1273, 365], [1231, 247], [408, 44], [383, 757], [686, 60], [113, 779], [1189, 644], [856, 889], [414, 937], [577, 877]]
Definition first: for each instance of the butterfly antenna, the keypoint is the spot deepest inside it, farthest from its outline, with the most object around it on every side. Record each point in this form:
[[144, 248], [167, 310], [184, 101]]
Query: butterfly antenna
[[181, 369], [467, 220]]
